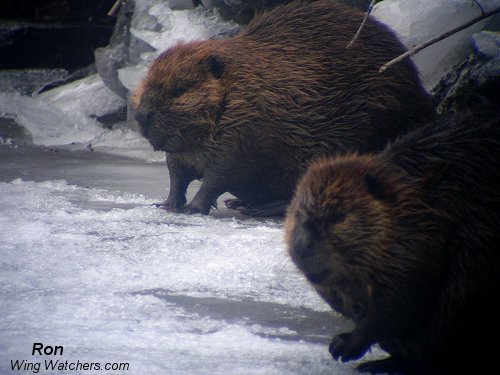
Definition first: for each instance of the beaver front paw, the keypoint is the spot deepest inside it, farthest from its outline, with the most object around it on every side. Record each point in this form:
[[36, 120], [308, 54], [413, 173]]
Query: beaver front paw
[[344, 348], [169, 207]]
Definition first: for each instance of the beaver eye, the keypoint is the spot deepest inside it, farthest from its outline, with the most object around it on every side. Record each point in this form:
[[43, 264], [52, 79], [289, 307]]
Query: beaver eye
[[337, 218], [177, 91]]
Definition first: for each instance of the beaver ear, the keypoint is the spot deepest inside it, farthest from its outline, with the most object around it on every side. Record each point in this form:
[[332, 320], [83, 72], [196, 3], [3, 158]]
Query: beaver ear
[[373, 185], [216, 66]]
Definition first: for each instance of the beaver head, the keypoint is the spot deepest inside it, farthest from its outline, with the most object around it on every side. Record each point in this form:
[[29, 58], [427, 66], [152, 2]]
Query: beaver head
[[180, 101], [347, 229]]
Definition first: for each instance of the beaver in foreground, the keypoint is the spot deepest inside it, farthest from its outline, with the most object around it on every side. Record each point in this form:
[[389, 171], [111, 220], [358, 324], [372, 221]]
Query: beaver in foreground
[[406, 243], [248, 114]]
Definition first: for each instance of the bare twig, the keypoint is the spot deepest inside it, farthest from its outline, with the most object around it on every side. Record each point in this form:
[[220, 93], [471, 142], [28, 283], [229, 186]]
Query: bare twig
[[114, 9], [370, 8], [438, 38]]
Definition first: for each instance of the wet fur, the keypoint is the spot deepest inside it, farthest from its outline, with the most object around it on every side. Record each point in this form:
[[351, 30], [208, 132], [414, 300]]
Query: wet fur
[[248, 114], [407, 244]]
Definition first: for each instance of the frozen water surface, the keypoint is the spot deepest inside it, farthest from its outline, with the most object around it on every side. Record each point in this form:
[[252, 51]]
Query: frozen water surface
[[89, 264]]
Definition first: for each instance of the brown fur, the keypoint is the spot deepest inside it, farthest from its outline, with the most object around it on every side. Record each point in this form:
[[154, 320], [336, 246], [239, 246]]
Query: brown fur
[[407, 244], [248, 114]]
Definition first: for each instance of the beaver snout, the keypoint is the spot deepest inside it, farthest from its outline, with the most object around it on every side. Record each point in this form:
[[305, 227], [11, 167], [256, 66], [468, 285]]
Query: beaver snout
[[144, 118], [302, 243]]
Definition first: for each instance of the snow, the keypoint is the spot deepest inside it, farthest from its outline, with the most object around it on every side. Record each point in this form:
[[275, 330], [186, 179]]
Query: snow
[[416, 21], [88, 263]]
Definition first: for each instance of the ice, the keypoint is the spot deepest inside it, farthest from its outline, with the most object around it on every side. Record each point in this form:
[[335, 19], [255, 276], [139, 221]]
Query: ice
[[88, 96], [88, 263], [416, 21], [131, 75], [180, 25], [29, 81], [125, 141], [46, 124], [63, 115], [67, 115]]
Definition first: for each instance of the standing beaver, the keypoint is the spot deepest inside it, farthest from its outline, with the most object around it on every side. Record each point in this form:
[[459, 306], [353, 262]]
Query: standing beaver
[[248, 114], [406, 243]]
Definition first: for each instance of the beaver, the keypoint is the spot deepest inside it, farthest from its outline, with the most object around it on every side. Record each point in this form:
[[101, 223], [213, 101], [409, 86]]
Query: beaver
[[406, 243], [248, 114]]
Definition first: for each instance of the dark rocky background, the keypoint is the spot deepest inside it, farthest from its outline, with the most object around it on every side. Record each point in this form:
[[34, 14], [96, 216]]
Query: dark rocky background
[[53, 34]]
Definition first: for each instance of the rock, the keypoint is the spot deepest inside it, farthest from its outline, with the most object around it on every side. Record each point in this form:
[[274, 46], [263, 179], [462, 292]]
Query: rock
[[109, 119], [57, 34], [487, 43], [11, 133], [474, 85]]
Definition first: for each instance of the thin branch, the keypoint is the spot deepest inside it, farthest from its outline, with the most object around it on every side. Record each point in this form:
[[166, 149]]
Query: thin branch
[[114, 9], [438, 38], [370, 8]]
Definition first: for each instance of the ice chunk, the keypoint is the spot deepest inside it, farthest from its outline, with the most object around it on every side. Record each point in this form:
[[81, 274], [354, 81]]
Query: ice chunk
[[131, 75], [47, 124], [415, 21], [128, 142], [88, 96], [66, 115]]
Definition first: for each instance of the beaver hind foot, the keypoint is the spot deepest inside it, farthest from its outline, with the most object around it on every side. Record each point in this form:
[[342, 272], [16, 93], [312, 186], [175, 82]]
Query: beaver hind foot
[[274, 208], [185, 208]]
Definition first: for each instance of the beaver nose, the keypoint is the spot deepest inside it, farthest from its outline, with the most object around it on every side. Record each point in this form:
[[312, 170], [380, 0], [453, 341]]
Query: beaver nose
[[303, 243], [144, 118]]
